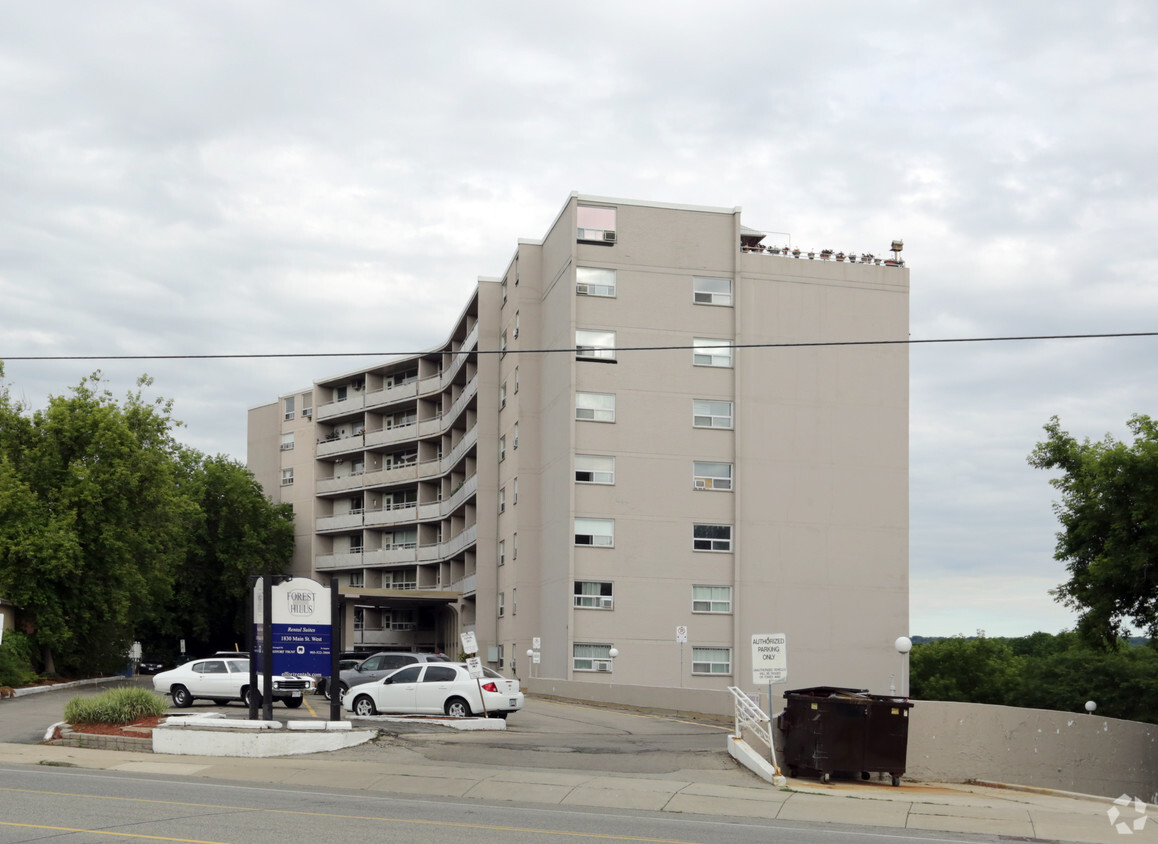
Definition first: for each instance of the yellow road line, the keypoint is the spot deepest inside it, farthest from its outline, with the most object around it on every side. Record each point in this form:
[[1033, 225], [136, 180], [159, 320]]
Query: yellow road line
[[108, 832], [376, 818]]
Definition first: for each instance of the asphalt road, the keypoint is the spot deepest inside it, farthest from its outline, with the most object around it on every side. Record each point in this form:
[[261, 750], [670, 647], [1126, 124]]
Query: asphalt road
[[107, 806]]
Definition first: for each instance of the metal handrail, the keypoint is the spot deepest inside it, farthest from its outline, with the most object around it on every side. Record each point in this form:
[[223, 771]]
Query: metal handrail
[[755, 719]]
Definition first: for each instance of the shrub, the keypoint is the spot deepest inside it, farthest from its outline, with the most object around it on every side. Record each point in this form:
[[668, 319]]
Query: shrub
[[116, 706], [16, 660]]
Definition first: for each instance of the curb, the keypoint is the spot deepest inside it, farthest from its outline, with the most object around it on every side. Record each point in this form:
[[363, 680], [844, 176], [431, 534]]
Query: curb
[[35, 690], [1036, 789]]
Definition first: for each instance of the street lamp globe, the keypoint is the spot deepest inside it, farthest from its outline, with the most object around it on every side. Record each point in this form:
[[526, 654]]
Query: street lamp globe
[[903, 644], [613, 653], [1091, 706]]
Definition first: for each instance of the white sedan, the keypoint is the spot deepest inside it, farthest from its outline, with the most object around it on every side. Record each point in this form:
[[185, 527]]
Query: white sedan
[[436, 688], [222, 679]]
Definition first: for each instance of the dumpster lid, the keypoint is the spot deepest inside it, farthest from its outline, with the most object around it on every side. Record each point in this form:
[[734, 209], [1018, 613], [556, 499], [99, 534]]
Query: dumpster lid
[[838, 692]]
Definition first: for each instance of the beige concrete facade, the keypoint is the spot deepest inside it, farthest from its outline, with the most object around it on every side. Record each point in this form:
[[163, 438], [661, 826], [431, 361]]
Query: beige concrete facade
[[703, 460]]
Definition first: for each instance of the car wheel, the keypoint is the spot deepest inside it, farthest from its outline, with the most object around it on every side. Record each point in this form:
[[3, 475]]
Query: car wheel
[[181, 697], [342, 689], [252, 697], [364, 705], [292, 702], [456, 707], [221, 701], [323, 689]]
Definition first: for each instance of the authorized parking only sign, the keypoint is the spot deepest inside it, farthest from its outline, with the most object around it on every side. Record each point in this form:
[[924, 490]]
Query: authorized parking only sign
[[769, 658]]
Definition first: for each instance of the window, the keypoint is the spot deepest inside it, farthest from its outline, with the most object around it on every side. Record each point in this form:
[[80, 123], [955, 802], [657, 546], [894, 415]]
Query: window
[[594, 469], [712, 599], [289, 408], [600, 532], [594, 345], [515, 545], [287, 477], [503, 342], [594, 595], [340, 393], [596, 224], [287, 442], [356, 544], [502, 552], [707, 413], [711, 352], [503, 395], [514, 601], [502, 604], [595, 407], [711, 660], [712, 475], [307, 405], [711, 537], [357, 578], [712, 291], [502, 499], [515, 437], [499, 655], [585, 657], [594, 281], [503, 288], [502, 448], [514, 491], [516, 380], [359, 618], [516, 335], [440, 674]]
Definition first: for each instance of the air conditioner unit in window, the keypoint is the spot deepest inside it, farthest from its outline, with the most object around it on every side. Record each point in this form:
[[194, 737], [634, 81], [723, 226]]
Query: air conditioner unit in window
[[700, 483], [581, 288], [603, 666], [609, 237], [605, 603], [308, 412]]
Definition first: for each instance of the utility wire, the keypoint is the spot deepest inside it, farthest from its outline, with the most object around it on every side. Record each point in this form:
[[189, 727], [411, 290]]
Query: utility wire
[[825, 343]]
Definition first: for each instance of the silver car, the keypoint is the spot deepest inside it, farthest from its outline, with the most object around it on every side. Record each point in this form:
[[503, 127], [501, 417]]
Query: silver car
[[382, 663]]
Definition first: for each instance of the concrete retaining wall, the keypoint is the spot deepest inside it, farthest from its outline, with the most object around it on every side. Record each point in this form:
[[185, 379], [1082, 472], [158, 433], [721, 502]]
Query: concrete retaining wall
[[956, 742]]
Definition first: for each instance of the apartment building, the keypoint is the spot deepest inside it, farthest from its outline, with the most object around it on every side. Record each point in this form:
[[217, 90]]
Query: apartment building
[[654, 436]]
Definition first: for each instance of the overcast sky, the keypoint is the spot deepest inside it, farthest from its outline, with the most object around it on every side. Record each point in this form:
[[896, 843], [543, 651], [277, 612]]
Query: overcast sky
[[276, 177]]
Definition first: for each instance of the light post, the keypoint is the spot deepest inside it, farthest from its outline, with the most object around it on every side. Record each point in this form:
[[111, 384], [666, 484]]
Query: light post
[[613, 653], [903, 645], [531, 662]]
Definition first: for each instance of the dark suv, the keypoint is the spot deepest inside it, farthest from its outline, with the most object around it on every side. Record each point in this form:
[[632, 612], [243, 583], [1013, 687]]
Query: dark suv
[[382, 663], [346, 659]]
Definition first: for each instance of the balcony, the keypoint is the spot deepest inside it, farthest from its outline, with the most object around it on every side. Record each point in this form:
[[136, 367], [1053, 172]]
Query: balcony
[[348, 560], [457, 544], [405, 432], [346, 482], [344, 521], [404, 553], [390, 395], [466, 586], [354, 404], [396, 514], [455, 500], [468, 441], [470, 391], [340, 445]]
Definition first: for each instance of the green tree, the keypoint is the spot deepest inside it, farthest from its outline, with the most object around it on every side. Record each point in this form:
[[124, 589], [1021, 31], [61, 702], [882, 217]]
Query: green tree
[[973, 670], [1109, 538], [232, 530], [90, 522]]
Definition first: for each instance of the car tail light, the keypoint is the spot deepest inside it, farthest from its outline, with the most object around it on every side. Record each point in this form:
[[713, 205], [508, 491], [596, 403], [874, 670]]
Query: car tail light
[[490, 687]]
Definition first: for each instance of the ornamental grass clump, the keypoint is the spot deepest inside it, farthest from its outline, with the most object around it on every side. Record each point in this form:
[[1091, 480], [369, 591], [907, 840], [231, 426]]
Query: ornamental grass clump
[[116, 706]]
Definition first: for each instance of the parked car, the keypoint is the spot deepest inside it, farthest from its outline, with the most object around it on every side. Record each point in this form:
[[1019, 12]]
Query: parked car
[[149, 665], [437, 688], [346, 661], [382, 663], [222, 679], [245, 655]]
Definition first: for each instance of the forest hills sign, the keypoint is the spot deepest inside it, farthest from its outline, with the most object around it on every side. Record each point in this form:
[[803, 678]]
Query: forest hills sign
[[302, 626]]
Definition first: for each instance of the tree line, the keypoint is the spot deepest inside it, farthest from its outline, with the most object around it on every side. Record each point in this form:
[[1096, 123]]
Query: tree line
[[113, 532], [1041, 671]]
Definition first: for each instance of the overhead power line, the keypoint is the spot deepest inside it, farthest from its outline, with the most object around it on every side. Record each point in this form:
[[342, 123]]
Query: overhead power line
[[824, 343]]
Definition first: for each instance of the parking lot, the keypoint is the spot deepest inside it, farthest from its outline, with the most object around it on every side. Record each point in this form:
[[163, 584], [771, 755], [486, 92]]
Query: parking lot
[[545, 734]]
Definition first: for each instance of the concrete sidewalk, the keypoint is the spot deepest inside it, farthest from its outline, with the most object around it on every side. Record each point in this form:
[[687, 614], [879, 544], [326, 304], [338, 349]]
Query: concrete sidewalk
[[387, 767]]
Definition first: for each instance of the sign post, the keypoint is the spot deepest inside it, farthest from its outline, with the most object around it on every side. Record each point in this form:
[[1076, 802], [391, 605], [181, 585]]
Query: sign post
[[769, 661], [474, 664], [681, 640]]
